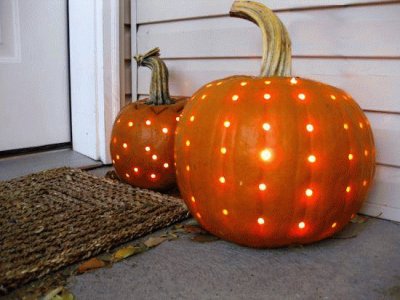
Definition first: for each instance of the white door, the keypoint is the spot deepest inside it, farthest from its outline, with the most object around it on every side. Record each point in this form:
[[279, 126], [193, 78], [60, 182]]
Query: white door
[[34, 93]]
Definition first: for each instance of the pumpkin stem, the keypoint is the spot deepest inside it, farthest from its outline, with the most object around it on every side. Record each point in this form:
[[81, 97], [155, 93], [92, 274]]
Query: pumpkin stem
[[276, 57], [159, 93]]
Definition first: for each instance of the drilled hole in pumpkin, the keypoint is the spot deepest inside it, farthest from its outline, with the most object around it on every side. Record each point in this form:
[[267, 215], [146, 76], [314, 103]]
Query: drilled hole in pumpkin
[[191, 118], [147, 148], [345, 126], [222, 179], [267, 82], [177, 119], [130, 124], [261, 221], [136, 170], [166, 165], [125, 145], [309, 192], [310, 128], [208, 85], [348, 189], [165, 130], [114, 140], [361, 125], [243, 83], [117, 156], [365, 183], [148, 122], [198, 215], [153, 176], [301, 96], [262, 186], [188, 168], [227, 124], [219, 83], [333, 97], [193, 199], [203, 97], [119, 120], [266, 126], [225, 212], [267, 96], [302, 225], [366, 152], [223, 150], [113, 161], [266, 155], [187, 143], [293, 80], [154, 157], [334, 225], [235, 97], [127, 175], [350, 156], [312, 159]]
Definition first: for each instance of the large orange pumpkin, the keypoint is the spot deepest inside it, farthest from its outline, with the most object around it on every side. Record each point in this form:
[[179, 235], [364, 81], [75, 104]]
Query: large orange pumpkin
[[142, 139], [273, 160]]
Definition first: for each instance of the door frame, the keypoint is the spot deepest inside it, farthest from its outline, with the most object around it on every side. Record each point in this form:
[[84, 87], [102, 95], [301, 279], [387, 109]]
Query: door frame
[[94, 74]]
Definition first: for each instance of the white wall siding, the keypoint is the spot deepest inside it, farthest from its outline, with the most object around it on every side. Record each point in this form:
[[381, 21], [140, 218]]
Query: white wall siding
[[354, 45]]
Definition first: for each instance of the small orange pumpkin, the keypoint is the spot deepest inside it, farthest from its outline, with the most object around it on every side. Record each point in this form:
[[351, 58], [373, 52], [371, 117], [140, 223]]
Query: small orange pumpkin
[[273, 160], [142, 138]]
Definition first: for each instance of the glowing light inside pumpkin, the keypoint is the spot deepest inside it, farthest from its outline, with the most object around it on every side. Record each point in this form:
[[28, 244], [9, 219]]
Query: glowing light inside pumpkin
[[166, 165], [153, 176], [261, 221], [345, 126], [333, 97], [203, 97], [266, 126], [154, 157], [136, 170], [127, 175], [219, 83], [198, 215], [310, 128], [147, 148], [193, 199], [148, 122], [119, 120], [191, 118], [312, 159], [309, 192], [188, 168], [334, 225], [302, 225], [125, 145], [301, 96], [117, 156], [223, 150], [235, 97], [227, 124], [361, 125], [366, 152], [267, 96], [348, 189], [262, 186], [130, 124], [350, 156], [243, 83], [165, 130], [187, 143], [177, 119], [113, 161], [114, 140], [293, 80], [267, 82], [365, 183], [222, 179], [266, 154], [225, 212], [208, 85]]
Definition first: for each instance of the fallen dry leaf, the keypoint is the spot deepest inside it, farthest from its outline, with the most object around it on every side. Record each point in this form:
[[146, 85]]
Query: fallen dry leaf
[[154, 241], [193, 229], [204, 238], [125, 252], [359, 219], [91, 264]]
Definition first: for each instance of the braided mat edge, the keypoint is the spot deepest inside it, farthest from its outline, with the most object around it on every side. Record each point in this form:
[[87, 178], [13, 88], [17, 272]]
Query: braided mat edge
[[57, 217]]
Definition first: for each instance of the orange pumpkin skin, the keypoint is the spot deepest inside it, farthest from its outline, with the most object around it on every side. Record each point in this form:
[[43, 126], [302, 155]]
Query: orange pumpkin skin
[[142, 143], [273, 161]]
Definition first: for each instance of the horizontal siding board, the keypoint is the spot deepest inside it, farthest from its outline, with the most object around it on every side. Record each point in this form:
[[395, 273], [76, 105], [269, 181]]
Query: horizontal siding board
[[373, 83], [366, 31], [161, 10]]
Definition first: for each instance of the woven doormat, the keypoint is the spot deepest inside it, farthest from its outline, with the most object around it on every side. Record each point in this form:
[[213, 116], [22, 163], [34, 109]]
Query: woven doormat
[[58, 217]]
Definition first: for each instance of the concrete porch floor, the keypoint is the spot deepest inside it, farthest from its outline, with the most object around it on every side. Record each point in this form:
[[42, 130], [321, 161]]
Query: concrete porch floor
[[366, 266]]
